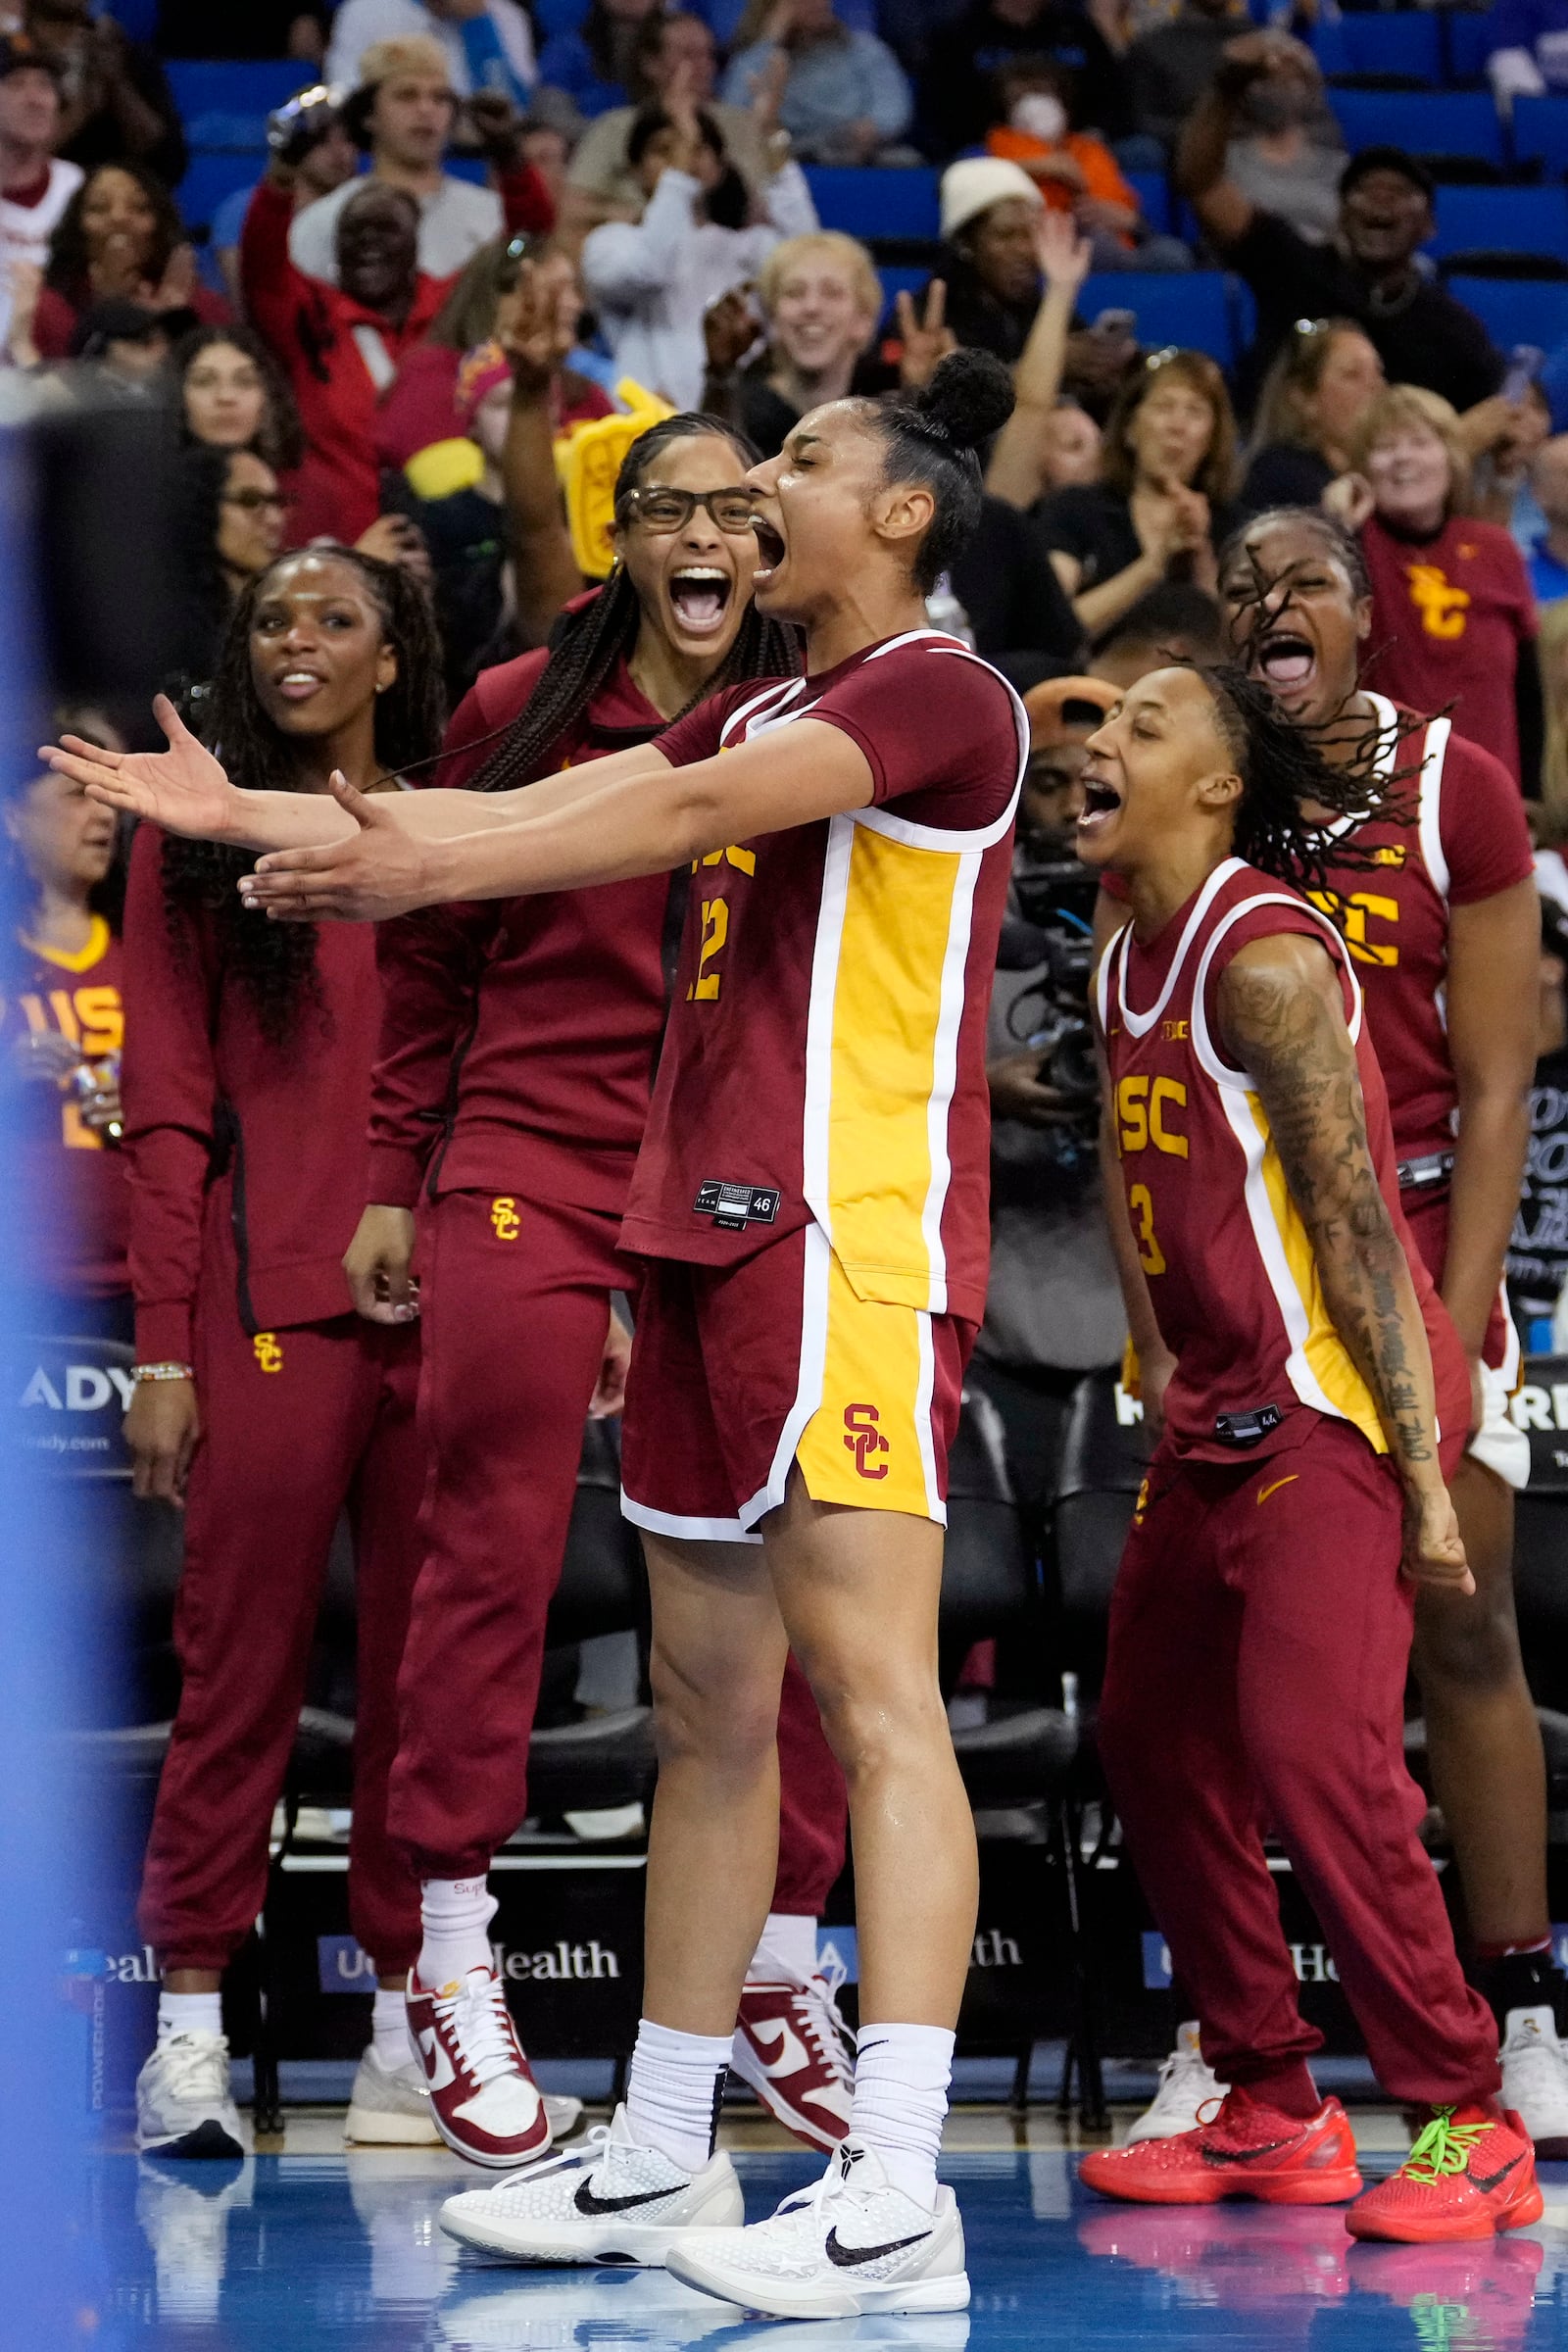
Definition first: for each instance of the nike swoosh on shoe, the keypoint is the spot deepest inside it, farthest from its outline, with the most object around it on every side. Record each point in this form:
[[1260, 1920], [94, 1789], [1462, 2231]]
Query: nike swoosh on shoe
[[587, 2203], [1491, 2180], [845, 2258], [1270, 2147]]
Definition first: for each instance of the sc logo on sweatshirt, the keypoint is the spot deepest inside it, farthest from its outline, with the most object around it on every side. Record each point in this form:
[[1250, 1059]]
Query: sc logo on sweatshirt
[[505, 1218], [268, 1355]]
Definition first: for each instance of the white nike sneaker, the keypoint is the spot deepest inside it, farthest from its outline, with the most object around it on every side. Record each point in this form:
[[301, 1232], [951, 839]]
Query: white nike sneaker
[[611, 2200], [794, 2050], [851, 2244], [1186, 2085], [184, 2106], [1535, 2078], [390, 2106]]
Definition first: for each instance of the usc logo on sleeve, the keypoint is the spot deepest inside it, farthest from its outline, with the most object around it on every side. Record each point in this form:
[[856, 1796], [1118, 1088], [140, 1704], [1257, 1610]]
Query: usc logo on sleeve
[[268, 1355], [505, 1218], [864, 1439]]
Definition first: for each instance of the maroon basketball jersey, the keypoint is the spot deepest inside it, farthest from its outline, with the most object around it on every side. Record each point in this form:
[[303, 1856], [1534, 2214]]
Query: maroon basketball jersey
[[825, 1056], [1226, 1252]]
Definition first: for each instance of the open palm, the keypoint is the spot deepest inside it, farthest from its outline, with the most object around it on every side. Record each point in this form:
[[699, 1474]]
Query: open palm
[[184, 789]]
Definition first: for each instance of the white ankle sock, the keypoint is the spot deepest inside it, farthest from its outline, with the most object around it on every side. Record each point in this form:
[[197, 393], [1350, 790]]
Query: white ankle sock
[[786, 1951], [389, 2027], [674, 2090], [189, 2013], [456, 1914], [902, 2074]]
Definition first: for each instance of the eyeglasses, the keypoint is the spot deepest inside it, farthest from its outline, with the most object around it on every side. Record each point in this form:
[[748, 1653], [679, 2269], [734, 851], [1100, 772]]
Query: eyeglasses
[[253, 501], [666, 510]]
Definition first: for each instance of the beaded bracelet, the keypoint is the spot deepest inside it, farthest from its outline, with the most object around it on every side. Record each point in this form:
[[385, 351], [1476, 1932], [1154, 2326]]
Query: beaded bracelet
[[140, 1372]]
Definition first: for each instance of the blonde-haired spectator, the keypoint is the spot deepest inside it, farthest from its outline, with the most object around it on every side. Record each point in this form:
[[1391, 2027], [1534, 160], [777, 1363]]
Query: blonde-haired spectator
[[1453, 619], [821, 298]]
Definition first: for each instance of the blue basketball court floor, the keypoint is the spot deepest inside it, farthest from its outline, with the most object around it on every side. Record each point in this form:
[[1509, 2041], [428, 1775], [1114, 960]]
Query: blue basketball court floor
[[339, 2251]]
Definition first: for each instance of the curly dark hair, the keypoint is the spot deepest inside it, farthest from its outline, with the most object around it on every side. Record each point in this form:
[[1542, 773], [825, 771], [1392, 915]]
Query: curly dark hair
[[592, 639], [68, 266], [1284, 771], [275, 964], [281, 440]]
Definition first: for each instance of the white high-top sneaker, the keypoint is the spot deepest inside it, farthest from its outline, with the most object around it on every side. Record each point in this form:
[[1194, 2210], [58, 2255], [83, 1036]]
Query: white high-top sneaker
[[184, 2106], [1535, 2078], [1186, 2085], [851, 2244], [611, 2200]]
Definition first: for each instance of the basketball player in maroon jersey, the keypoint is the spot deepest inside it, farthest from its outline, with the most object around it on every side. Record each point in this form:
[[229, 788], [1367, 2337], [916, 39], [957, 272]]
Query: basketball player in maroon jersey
[[1261, 1627], [510, 1096], [811, 1202], [1444, 933]]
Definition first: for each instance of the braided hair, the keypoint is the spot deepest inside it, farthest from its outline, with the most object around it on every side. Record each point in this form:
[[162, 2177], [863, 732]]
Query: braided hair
[[275, 964], [591, 641], [1284, 771]]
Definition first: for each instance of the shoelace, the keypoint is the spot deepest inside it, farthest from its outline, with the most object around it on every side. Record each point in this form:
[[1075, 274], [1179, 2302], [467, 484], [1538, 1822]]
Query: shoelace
[[481, 2025], [193, 2067], [823, 2030], [1444, 2147]]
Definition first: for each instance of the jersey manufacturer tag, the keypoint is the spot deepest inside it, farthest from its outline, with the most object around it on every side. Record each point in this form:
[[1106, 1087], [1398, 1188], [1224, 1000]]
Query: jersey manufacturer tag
[[1247, 1429], [734, 1206]]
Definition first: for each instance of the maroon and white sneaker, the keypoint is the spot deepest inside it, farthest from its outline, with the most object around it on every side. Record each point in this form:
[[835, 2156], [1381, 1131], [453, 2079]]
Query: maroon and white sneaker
[[483, 2100], [794, 2050]]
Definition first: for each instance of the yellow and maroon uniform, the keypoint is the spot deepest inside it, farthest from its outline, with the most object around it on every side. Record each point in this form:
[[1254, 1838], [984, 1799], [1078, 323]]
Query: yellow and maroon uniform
[[1261, 1627], [812, 1191], [77, 1209]]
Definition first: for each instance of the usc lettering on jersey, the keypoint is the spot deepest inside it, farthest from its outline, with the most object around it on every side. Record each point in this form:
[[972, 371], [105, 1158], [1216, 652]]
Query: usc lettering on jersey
[[825, 1057], [77, 1214], [1229, 1261]]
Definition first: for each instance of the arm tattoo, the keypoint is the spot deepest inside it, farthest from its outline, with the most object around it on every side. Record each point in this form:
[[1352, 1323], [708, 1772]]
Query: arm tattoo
[[1302, 1063]]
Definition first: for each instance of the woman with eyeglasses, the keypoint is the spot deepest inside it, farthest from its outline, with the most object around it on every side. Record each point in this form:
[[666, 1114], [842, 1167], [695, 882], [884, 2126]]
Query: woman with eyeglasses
[[262, 1403], [1325, 378], [229, 528], [1163, 502]]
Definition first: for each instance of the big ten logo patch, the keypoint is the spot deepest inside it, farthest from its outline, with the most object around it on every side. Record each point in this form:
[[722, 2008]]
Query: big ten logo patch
[[505, 1218], [864, 1439], [267, 1350], [1441, 604]]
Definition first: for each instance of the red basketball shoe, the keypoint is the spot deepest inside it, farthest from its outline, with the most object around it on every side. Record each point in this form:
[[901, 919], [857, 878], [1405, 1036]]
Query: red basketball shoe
[[483, 2100], [1249, 2150], [792, 2048], [1471, 2173]]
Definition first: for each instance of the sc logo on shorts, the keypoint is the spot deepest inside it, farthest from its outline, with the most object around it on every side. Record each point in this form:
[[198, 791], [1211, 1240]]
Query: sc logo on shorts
[[505, 1218], [864, 1439]]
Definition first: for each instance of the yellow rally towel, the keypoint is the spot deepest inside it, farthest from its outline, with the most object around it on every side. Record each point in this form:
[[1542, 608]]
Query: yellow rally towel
[[587, 460]]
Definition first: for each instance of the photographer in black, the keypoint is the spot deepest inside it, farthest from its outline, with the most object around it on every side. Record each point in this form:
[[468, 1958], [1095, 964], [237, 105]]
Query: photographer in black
[[1053, 1311]]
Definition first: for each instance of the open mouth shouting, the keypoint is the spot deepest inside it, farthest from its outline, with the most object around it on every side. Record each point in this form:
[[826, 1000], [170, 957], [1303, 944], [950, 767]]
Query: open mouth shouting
[[700, 594], [1285, 661], [770, 551], [1102, 803]]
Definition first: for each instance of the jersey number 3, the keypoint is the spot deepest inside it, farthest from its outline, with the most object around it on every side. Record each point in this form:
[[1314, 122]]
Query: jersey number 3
[[1141, 1208]]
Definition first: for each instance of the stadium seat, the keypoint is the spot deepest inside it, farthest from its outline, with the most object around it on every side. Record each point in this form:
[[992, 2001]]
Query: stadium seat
[[1153, 191], [1527, 220], [875, 205], [1441, 123], [897, 280], [1539, 132], [225, 102], [1102, 1464], [1402, 41], [1020, 1758], [212, 175], [1191, 308], [1468, 36], [1517, 310]]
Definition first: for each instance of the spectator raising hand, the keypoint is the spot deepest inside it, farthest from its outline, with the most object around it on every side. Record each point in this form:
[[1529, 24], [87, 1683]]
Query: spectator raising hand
[[842, 96], [928, 339], [1017, 471]]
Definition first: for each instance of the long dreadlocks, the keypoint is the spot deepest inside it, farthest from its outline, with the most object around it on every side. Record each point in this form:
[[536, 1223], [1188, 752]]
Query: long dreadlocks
[[275, 963], [595, 638]]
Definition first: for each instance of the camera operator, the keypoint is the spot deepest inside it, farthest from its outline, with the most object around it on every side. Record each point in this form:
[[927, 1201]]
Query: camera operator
[[1053, 1311]]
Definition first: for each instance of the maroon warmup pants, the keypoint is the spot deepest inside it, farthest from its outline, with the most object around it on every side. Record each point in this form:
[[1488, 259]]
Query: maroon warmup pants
[[296, 1427], [513, 1331], [1259, 1636]]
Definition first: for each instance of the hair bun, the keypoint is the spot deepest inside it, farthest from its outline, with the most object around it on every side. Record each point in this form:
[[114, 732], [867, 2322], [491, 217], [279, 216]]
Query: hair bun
[[969, 398]]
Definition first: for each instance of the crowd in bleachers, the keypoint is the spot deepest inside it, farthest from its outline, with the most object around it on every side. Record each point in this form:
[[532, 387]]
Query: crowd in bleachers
[[411, 277]]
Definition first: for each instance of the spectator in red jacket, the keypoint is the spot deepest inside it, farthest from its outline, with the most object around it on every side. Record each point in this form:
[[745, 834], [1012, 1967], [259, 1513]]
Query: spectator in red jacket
[[120, 238], [262, 1401], [340, 345]]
